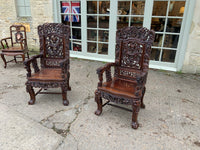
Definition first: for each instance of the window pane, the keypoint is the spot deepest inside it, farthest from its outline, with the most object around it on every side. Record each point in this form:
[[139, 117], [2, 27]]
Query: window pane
[[20, 3], [174, 25], [123, 22], [155, 54], [158, 40], [160, 8], [123, 8], [92, 35], [77, 46], [21, 11], [138, 8], [137, 21], [168, 55], [92, 47], [27, 2], [176, 8], [76, 20], [103, 48], [76, 33], [104, 7], [91, 21], [171, 41], [103, 36], [104, 22], [92, 7], [157, 24]]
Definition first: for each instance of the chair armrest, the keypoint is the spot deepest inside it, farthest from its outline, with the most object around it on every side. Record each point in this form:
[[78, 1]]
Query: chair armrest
[[65, 67], [101, 70], [32, 60], [5, 40]]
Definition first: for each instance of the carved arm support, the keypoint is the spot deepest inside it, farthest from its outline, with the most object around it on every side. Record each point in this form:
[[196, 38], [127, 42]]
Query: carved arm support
[[23, 44], [32, 60], [6, 42], [141, 81], [107, 70], [65, 67]]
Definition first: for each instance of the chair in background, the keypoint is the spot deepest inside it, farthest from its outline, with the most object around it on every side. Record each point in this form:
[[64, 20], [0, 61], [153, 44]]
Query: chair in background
[[15, 45], [133, 49], [54, 60]]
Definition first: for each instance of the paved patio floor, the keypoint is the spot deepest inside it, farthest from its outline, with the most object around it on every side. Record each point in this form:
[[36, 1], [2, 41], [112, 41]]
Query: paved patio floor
[[170, 121]]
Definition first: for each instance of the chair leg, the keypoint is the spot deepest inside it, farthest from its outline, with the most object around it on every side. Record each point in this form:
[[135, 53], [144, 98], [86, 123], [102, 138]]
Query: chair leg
[[64, 96], [27, 55], [98, 100], [23, 57], [4, 60], [31, 92], [15, 59], [68, 87], [142, 103], [136, 109]]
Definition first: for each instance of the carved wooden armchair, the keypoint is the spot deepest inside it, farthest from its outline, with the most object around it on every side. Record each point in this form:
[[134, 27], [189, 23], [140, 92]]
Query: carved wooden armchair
[[15, 45], [133, 49], [54, 60]]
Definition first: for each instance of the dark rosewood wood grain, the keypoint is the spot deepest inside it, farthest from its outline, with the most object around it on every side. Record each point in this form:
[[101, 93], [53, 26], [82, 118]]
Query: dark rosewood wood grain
[[54, 61], [15, 45], [133, 49]]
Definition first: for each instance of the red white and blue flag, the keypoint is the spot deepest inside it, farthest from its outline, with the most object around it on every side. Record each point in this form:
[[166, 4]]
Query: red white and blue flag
[[73, 8]]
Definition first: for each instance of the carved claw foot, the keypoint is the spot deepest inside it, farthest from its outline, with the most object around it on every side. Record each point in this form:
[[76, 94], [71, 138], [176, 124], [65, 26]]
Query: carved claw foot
[[135, 125], [65, 102], [98, 112], [142, 106], [31, 102]]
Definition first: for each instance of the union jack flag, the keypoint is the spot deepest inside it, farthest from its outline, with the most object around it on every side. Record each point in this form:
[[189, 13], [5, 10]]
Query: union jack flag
[[73, 8]]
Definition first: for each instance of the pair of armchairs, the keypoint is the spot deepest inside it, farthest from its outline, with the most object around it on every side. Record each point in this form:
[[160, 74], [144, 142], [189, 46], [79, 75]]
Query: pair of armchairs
[[133, 49]]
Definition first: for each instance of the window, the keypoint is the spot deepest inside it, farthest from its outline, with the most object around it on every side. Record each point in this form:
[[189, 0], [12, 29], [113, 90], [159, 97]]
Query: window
[[23, 8]]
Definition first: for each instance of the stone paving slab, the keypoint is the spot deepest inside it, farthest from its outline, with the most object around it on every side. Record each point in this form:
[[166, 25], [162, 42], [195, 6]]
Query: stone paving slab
[[20, 132]]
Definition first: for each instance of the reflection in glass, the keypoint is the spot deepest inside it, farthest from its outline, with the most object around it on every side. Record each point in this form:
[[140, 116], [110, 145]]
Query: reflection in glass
[[174, 25], [77, 46], [171, 41], [92, 7], [158, 40], [104, 22], [92, 47], [160, 8], [168, 55], [102, 48], [91, 21], [92, 35], [138, 8], [103, 35], [137, 21], [123, 8], [157, 24], [155, 54], [176, 8], [76, 33], [123, 22], [104, 7]]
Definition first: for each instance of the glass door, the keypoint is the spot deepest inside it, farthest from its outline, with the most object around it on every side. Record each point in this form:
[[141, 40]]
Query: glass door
[[167, 21], [98, 15]]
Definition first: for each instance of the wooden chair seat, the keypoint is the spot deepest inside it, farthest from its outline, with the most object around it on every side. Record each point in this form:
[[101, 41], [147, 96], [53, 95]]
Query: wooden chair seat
[[47, 74], [119, 87], [13, 49]]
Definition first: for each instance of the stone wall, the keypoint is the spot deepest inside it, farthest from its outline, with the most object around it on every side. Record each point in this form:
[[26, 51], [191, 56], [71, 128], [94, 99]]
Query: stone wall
[[41, 12], [192, 56]]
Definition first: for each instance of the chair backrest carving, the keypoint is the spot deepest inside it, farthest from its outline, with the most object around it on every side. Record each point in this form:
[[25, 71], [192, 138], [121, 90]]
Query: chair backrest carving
[[133, 49], [54, 43], [17, 33]]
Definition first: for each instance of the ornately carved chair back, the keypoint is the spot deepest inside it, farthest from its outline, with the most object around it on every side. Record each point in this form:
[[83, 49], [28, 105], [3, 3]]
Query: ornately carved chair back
[[54, 43], [17, 33], [134, 54]]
